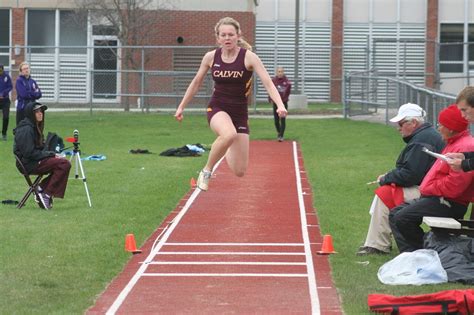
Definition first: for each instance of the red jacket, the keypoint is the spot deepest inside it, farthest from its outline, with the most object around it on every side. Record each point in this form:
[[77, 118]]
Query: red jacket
[[283, 86], [442, 181]]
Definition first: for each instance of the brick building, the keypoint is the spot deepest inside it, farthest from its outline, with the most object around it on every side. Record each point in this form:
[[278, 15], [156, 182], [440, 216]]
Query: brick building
[[424, 41], [78, 59]]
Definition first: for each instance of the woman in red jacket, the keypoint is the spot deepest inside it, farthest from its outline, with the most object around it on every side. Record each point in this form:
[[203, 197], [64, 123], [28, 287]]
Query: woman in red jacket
[[444, 191], [283, 86]]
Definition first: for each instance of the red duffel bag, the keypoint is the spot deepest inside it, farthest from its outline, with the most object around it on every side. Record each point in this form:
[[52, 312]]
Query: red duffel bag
[[460, 302]]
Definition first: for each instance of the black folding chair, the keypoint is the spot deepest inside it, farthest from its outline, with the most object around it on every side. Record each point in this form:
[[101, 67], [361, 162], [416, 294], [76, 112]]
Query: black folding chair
[[32, 185]]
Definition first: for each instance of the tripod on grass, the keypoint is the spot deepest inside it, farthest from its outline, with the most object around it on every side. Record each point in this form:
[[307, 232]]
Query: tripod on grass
[[77, 163]]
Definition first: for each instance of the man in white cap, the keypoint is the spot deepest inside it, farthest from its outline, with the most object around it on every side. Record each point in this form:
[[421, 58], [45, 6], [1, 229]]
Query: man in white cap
[[401, 183]]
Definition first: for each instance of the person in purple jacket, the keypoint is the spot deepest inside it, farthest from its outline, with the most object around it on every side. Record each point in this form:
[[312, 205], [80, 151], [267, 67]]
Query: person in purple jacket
[[283, 86], [27, 90], [5, 88], [232, 66]]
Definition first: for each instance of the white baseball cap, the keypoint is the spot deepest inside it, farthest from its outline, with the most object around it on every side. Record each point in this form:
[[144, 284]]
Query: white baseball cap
[[408, 110]]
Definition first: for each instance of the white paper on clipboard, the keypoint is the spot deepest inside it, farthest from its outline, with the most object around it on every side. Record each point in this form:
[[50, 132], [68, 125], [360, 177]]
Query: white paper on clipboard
[[436, 155]]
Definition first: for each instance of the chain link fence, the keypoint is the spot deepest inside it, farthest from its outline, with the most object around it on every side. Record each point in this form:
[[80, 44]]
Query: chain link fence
[[111, 76], [108, 75]]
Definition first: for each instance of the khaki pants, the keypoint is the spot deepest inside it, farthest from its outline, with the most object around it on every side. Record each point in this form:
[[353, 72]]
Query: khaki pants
[[380, 235]]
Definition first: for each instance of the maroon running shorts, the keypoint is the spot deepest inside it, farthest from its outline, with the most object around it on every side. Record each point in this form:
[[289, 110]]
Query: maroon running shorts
[[239, 118]]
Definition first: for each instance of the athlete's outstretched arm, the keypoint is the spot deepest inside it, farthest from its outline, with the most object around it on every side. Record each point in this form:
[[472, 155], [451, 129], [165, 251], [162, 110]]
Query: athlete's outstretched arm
[[256, 64], [195, 84]]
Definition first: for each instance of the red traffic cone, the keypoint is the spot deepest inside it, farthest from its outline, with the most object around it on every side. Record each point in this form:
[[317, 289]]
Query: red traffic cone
[[327, 247], [192, 182], [130, 245]]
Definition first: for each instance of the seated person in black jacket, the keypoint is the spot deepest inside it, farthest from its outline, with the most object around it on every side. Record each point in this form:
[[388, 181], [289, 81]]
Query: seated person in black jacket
[[465, 102], [401, 183], [29, 147]]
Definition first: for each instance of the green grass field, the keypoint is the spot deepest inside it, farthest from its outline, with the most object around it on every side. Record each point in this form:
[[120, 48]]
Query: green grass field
[[57, 262]]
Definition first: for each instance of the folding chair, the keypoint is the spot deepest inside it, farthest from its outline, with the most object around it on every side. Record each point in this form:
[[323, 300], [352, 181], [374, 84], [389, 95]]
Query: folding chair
[[32, 186]]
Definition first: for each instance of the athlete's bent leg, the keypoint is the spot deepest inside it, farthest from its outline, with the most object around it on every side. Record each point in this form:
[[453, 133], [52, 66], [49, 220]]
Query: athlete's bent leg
[[221, 124], [237, 156]]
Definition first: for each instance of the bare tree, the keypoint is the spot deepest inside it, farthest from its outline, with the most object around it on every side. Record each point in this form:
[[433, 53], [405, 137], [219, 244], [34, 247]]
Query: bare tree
[[132, 21]]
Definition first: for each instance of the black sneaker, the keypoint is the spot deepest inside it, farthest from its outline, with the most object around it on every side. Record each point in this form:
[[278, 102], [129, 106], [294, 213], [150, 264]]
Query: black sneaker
[[46, 201], [371, 251]]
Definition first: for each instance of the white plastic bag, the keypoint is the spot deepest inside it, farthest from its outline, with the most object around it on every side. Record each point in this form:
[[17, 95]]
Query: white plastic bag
[[422, 266]]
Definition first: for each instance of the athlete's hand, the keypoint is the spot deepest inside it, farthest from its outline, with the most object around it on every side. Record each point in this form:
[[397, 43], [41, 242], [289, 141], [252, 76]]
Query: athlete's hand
[[282, 112], [179, 114]]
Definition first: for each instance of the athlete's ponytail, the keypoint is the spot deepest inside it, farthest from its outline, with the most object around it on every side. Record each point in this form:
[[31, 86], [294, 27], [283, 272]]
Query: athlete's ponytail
[[244, 44]]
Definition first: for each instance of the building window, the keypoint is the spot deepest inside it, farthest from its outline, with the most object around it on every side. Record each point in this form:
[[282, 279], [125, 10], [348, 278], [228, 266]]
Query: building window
[[451, 53], [4, 37], [104, 30], [451, 47], [471, 41], [41, 30], [72, 32]]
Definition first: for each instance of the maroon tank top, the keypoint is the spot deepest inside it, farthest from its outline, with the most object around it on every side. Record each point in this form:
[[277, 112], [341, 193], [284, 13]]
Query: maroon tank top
[[232, 81]]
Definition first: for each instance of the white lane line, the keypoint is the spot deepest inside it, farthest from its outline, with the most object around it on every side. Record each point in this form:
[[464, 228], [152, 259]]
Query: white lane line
[[124, 293], [284, 275], [256, 263], [233, 244], [232, 253], [313, 292]]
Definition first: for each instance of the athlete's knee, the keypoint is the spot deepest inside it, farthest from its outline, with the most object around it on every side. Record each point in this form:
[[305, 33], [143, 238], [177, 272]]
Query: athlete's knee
[[240, 173], [229, 137]]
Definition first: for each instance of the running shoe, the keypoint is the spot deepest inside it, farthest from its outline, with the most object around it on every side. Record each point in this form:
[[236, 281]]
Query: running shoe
[[203, 180], [46, 201]]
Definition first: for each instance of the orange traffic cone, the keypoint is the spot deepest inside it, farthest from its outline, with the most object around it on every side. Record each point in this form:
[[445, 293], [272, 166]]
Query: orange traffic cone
[[130, 245], [327, 247], [192, 182]]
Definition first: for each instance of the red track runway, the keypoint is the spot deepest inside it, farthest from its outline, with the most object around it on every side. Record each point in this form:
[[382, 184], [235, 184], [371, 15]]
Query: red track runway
[[245, 246]]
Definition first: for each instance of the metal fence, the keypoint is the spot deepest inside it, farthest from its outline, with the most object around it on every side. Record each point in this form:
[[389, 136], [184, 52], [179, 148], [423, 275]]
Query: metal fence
[[156, 77], [104, 75], [368, 93], [149, 77]]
